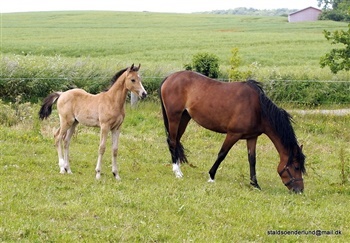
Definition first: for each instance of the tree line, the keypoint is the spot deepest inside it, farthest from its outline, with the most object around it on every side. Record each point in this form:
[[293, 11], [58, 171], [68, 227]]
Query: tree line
[[337, 10]]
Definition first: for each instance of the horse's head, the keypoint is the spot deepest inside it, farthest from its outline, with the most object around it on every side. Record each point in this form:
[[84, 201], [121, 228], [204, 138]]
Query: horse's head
[[133, 81], [291, 173]]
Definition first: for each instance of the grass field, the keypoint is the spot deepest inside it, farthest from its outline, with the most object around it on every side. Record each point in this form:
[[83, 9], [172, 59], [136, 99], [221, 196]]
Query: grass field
[[150, 205], [37, 204]]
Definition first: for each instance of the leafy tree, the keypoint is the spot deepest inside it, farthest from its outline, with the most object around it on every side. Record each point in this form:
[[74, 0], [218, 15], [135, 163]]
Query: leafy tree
[[337, 10], [338, 58]]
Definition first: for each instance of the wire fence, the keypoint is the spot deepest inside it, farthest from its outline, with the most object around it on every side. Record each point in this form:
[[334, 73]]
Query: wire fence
[[314, 92]]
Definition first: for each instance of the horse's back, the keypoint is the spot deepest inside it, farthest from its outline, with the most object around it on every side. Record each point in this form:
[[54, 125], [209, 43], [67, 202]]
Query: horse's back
[[215, 105]]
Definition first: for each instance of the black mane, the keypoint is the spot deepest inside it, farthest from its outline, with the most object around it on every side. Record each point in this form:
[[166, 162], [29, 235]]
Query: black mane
[[281, 122], [115, 77]]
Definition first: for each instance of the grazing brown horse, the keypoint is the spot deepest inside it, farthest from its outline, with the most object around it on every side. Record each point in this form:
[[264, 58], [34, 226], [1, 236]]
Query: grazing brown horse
[[241, 110], [104, 110]]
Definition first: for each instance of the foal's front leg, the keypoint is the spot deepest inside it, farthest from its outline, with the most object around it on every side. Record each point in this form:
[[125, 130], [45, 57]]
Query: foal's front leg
[[115, 141], [101, 151]]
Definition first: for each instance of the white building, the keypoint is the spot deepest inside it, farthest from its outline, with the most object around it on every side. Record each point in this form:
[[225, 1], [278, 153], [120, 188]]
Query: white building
[[306, 14]]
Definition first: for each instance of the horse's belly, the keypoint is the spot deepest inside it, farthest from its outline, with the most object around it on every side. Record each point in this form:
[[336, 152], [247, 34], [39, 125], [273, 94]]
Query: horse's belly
[[210, 121]]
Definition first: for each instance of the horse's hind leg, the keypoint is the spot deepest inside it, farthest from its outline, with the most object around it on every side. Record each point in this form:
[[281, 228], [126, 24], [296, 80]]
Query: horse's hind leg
[[115, 140], [176, 129], [251, 146], [230, 140]]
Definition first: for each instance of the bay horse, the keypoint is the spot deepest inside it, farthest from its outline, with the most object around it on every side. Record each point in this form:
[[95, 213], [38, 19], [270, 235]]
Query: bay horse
[[241, 110], [105, 110]]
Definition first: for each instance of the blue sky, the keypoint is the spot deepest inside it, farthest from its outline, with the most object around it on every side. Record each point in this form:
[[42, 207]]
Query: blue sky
[[174, 6]]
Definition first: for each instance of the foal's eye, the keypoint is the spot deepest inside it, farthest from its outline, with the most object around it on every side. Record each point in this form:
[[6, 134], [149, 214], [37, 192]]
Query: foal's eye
[[133, 80]]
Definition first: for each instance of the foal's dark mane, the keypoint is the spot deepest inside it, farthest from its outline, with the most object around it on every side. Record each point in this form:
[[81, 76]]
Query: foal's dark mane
[[118, 74], [115, 78], [281, 122]]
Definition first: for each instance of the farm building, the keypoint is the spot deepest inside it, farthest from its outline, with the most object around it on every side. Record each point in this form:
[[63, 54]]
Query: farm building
[[306, 14]]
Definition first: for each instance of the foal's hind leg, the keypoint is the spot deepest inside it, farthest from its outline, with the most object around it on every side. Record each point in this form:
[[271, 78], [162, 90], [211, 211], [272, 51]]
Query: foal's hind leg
[[251, 146], [66, 143], [62, 133], [58, 144]]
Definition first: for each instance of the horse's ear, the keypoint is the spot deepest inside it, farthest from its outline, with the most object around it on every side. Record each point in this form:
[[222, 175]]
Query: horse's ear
[[139, 67], [132, 67], [301, 148]]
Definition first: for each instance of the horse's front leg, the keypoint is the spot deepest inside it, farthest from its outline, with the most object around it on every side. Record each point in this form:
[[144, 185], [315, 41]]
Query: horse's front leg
[[251, 146], [101, 151], [115, 141]]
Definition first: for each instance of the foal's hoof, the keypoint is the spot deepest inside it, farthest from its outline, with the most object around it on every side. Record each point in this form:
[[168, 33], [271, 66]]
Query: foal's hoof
[[116, 176], [211, 180], [98, 176]]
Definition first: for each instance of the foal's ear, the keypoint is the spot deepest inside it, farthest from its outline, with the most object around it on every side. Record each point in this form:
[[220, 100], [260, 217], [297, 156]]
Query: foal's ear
[[132, 67], [138, 68], [301, 148]]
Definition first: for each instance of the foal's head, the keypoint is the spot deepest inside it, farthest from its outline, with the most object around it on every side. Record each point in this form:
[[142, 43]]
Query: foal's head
[[292, 172], [133, 81]]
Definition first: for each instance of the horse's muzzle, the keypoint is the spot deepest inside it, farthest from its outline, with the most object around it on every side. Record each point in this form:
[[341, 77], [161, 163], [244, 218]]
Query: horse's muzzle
[[297, 190]]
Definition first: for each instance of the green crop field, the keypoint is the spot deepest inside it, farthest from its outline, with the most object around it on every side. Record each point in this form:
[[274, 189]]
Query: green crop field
[[167, 41], [85, 49]]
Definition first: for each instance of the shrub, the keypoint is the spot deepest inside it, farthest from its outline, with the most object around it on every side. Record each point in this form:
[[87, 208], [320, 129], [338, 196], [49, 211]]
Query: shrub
[[205, 63]]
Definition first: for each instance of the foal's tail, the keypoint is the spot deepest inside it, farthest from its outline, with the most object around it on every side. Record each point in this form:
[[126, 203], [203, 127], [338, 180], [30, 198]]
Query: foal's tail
[[46, 108], [179, 152]]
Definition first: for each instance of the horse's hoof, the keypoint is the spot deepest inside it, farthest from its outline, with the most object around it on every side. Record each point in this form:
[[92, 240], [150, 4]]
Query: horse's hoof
[[255, 185], [98, 176], [211, 180]]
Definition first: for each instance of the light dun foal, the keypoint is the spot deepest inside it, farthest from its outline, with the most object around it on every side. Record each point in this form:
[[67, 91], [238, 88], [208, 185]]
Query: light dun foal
[[105, 110]]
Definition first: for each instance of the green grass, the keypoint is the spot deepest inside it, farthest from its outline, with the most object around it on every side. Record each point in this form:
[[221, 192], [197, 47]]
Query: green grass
[[37, 204], [149, 204]]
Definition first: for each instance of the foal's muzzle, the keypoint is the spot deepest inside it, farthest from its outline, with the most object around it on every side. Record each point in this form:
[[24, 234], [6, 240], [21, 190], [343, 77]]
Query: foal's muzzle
[[143, 95]]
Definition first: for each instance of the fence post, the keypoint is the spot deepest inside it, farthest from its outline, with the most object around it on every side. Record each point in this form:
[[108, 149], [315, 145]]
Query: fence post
[[133, 99]]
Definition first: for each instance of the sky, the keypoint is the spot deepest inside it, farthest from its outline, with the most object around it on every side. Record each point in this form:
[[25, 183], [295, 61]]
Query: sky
[[170, 6]]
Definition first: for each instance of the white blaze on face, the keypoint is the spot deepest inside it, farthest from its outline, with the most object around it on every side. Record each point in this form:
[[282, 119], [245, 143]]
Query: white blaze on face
[[142, 89]]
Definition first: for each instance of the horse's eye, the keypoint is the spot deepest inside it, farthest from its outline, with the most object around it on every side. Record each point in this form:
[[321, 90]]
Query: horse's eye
[[133, 80]]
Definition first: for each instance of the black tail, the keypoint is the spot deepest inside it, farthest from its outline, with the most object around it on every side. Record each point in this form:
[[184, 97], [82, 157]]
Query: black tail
[[46, 108], [177, 153]]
